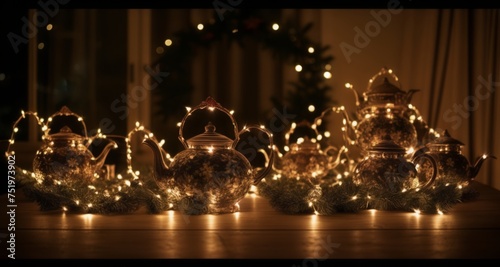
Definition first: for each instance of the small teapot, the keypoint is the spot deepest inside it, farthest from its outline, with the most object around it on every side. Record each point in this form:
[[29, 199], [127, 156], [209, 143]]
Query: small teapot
[[453, 166], [64, 156], [305, 158], [382, 110], [210, 170], [387, 168]]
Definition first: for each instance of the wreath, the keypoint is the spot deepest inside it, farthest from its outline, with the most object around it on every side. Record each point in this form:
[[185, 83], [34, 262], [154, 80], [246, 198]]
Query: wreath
[[287, 41]]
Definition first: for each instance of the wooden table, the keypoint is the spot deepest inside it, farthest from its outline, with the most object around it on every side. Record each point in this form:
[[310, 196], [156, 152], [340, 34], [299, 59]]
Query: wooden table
[[471, 230]]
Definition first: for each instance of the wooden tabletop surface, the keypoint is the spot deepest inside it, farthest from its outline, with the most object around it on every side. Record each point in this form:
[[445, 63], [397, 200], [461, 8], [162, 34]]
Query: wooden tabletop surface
[[471, 230]]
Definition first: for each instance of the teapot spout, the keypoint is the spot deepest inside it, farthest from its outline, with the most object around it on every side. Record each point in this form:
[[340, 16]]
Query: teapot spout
[[409, 95], [160, 167], [99, 161], [474, 170]]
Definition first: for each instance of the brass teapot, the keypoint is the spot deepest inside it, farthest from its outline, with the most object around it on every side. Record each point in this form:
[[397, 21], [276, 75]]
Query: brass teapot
[[65, 156], [210, 171], [453, 166], [382, 110], [386, 167]]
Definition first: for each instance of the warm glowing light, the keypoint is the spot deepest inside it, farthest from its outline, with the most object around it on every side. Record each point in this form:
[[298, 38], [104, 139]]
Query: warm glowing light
[[200, 26], [41, 46], [188, 109], [326, 134], [298, 68], [348, 85], [276, 26], [49, 27], [327, 75], [328, 67], [310, 49], [168, 42], [311, 108]]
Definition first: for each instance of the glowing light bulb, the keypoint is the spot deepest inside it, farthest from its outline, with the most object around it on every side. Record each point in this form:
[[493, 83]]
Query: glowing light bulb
[[327, 75]]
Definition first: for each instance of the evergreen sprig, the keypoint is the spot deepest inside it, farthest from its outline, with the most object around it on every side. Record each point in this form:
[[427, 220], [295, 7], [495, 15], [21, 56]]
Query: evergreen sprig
[[102, 196], [293, 196]]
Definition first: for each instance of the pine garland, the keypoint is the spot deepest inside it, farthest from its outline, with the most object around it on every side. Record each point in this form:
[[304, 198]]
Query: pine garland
[[295, 196], [102, 196]]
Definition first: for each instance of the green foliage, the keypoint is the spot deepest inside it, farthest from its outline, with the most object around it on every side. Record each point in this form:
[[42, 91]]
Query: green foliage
[[333, 196]]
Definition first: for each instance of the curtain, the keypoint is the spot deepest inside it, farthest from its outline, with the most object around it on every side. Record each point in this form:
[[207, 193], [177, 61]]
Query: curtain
[[453, 56]]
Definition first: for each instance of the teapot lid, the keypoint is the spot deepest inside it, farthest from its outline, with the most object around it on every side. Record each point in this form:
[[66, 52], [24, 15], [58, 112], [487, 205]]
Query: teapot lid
[[65, 133], [387, 145], [446, 139], [384, 82], [385, 87], [209, 138]]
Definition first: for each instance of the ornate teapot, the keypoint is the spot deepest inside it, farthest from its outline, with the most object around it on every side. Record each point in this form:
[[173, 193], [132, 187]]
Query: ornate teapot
[[387, 168], [305, 158], [382, 110], [210, 172], [453, 166], [64, 156]]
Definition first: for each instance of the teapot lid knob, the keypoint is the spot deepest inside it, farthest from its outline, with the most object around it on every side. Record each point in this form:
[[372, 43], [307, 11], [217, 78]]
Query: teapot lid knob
[[210, 127]]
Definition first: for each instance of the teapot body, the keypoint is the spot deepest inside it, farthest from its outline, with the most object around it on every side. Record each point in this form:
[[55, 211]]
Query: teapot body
[[221, 177], [452, 166], [387, 168], [378, 122], [305, 163], [392, 173], [66, 160]]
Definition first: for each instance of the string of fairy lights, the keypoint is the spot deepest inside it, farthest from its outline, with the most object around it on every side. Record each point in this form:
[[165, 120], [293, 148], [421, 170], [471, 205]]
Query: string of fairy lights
[[336, 192], [337, 181]]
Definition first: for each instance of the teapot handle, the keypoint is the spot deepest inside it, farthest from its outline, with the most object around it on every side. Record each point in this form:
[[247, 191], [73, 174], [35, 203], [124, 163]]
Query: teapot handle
[[269, 157], [211, 104], [434, 167], [65, 111]]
